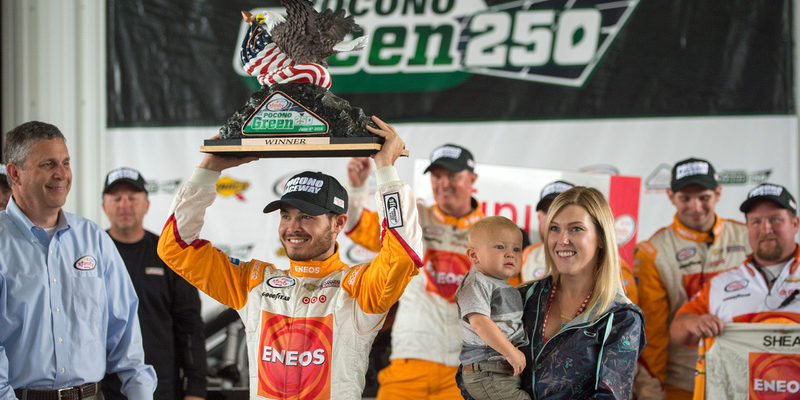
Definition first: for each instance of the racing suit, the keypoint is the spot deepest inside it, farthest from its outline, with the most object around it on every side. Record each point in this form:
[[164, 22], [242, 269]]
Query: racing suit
[[533, 268], [308, 329], [743, 295], [671, 267], [426, 326]]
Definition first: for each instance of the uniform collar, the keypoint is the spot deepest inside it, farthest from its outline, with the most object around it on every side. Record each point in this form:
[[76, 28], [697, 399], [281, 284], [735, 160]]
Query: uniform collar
[[793, 263], [24, 223], [459, 222], [701, 237], [317, 269]]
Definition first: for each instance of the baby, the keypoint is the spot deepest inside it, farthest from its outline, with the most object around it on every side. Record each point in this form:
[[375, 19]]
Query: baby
[[491, 312]]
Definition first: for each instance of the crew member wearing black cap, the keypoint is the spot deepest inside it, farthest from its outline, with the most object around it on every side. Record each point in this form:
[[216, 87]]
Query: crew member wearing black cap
[[5, 188], [672, 266], [426, 334], [169, 307], [765, 288], [308, 328]]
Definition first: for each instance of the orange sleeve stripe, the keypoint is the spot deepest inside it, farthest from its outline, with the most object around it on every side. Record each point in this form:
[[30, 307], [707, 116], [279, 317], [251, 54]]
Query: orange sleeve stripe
[[699, 304], [654, 302], [366, 233], [379, 284], [628, 283]]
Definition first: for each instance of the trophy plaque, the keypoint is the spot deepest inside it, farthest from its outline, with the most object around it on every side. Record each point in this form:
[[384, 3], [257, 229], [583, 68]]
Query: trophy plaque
[[294, 114]]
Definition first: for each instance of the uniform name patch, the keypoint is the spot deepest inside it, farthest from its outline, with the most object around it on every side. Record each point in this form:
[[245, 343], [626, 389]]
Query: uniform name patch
[[281, 282], [736, 285], [154, 271], [686, 253], [85, 263], [391, 203]]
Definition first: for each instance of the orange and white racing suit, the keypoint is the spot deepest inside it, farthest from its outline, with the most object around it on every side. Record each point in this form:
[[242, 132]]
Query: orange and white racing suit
[[534, 267], [743, 295], [309, 329], [671, 267], [426, 326]]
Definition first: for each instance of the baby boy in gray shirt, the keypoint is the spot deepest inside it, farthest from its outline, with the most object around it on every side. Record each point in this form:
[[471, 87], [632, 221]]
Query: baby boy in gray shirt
[[491, 312]]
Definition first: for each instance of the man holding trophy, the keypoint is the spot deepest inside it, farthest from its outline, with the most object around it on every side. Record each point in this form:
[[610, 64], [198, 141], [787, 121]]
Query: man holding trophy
[[309, 328]]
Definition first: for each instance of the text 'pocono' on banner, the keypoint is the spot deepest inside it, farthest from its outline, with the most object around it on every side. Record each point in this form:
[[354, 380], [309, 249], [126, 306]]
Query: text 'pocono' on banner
[[444, 41]]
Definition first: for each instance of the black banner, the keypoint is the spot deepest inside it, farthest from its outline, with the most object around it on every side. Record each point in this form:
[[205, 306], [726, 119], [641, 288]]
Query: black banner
[[171, 62]]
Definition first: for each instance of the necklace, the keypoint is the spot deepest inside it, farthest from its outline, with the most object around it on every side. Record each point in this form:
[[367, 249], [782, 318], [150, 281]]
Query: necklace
[[563, 316]]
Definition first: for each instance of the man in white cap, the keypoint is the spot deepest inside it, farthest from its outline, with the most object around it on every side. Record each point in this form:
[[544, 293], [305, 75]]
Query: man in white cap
[[426, 335]]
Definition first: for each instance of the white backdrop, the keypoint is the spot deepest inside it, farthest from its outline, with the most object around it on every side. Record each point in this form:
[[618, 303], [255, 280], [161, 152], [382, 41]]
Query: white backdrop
[[746, 149]]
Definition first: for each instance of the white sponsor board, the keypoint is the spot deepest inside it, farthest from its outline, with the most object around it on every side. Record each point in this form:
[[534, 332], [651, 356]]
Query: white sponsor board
[[744, 150]]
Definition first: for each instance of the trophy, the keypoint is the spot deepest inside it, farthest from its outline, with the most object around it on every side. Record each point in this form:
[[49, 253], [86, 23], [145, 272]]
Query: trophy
[[294, 114]]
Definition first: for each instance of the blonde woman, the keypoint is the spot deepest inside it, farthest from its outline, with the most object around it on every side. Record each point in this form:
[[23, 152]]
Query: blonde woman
[[585, 335]]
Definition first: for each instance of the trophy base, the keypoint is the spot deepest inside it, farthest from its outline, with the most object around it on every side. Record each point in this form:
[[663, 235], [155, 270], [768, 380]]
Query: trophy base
[[296, 146]]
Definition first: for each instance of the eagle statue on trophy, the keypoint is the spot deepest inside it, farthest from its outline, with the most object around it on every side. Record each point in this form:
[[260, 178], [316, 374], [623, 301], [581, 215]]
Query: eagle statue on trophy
[[289, 55]]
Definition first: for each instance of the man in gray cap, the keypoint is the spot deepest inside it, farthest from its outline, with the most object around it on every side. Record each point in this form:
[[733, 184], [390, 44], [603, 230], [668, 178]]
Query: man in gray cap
[[768, 281], [308, 328], [5, 188], [673, 265], [426, 334]]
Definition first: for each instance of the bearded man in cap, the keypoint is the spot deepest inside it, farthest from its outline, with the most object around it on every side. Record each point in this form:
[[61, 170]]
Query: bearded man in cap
[[672, 266], [426, 334], [764, 289], [309, 328], [169, 307], [767, 284]]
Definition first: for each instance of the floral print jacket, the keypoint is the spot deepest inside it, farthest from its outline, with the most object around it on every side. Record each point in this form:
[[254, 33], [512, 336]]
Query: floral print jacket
[[586, 359]]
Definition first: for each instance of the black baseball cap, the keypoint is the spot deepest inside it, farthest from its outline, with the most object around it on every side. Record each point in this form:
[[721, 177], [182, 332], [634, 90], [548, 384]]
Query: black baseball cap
[[693, 171], [769, 191], [313, 193], [550, 192], [453, 157], [125, 175]]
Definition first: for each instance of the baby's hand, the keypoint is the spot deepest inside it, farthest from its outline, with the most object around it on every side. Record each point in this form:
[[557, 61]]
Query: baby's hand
[[517, 360]]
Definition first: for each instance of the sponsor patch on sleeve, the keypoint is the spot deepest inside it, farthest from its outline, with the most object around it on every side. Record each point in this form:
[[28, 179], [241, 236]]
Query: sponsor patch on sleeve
[[391, 203]]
